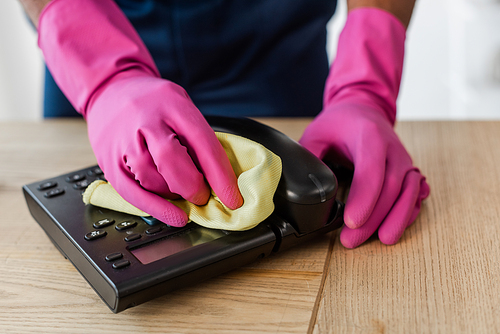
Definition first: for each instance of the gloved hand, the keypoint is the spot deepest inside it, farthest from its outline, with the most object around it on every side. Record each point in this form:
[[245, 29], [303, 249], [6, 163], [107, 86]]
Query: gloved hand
[[149, 139], [355, 129]]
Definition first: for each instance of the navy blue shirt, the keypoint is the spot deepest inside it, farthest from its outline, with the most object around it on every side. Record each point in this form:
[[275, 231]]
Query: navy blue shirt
[[233, 57]]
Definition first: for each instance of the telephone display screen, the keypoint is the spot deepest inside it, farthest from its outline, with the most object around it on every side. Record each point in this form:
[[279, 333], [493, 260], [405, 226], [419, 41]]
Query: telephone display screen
[[163, 248]]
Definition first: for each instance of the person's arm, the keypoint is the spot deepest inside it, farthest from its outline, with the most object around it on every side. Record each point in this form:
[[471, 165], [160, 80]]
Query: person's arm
[[149, 138], [33, 8], [355, 128], [402, 9]]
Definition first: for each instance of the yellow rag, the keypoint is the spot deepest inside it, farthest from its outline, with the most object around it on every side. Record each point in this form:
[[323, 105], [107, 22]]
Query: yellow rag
[[258, 171]]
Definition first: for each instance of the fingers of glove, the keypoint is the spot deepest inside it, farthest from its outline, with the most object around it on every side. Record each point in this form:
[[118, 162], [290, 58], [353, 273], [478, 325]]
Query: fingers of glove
[[146, 201], [404, 211], [424, 193], [143, 168], [352, 238], [401, 213], [221, 177], [212, 160], [368, 180], [202, 145], [177, 168], [393, 181]]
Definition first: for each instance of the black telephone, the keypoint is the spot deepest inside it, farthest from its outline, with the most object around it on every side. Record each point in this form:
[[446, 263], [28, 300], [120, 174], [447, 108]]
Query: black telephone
[[129, 260]]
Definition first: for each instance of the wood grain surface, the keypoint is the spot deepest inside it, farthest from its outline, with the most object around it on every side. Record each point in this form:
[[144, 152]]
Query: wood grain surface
[[442, 277]]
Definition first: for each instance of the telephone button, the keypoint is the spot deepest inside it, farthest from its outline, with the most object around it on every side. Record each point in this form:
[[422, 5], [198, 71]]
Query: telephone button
[[154, 230], [47, 185], [151, 221], [114, 256], [103, 223], [132, 237], [75, 177], [95, 171], [125, 225], [81, 184], [95, 235], [54, 193], [121, 264]]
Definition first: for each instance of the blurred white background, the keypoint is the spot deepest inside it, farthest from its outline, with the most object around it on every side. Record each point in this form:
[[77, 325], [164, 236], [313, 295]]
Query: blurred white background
[[452, 66]]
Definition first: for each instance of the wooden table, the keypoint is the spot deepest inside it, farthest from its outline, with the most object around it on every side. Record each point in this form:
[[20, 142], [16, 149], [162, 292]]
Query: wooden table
[[443, 276]]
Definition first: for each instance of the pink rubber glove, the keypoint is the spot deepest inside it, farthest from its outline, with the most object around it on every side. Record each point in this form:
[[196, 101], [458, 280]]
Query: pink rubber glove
[[355, 128], [149, 139]]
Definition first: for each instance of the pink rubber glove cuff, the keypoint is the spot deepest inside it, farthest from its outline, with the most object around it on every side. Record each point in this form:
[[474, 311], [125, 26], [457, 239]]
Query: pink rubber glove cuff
[[92, 50], [369, 61]]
